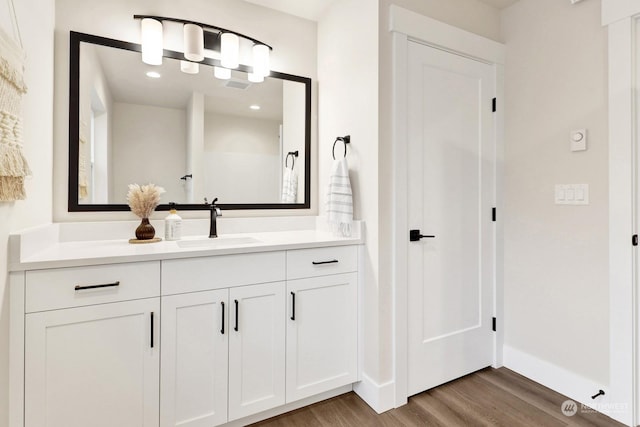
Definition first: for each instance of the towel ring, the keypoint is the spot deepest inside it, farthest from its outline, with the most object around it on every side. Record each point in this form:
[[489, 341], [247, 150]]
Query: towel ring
[[293, 155], [345, 140]]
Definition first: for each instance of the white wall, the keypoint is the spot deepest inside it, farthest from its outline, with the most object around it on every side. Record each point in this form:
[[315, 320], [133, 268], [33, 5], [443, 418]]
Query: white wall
[[36, 21], [244, 151], [556, 268], [138, 127], [114, 18], [348, 105]]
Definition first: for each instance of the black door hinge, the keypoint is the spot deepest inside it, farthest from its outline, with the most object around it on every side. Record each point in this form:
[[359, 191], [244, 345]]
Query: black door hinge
[[634, 240], [493, 214], [494, 324], [493, 105]]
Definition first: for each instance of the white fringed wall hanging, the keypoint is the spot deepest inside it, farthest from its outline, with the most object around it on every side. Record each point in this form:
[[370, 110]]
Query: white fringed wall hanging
[[13, 165]]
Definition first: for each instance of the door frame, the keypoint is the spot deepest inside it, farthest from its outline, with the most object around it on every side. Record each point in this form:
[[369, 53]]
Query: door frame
[[407, 26], [622, 20]]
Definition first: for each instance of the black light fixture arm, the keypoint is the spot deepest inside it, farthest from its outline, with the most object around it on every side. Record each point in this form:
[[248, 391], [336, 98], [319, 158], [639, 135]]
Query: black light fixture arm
[[203, 25]]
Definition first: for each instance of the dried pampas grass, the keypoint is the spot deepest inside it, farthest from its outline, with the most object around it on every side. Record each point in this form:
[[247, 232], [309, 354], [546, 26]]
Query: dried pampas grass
[[143, 199]]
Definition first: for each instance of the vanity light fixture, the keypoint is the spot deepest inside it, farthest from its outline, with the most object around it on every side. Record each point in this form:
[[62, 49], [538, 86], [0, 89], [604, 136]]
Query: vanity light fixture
[[151, 36], [230, 50], [197, 38], [254, 107], [193, 42], [153, 74]]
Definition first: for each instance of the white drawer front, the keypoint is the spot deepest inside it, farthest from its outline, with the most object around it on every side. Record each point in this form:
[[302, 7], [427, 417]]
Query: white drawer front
[[79, 286], [321, 261], [217, 272]]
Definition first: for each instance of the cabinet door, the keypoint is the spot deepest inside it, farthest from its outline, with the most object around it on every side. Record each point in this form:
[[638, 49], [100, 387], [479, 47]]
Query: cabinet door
[[322, 344], [93, 366], [256, 348], [195, 328]]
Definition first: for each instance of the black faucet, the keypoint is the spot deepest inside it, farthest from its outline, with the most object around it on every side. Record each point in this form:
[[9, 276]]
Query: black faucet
[[215, 213]]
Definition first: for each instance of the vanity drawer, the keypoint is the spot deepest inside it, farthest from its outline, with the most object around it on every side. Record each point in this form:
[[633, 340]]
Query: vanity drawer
[[79, 286], [321, 261], [223, 271]]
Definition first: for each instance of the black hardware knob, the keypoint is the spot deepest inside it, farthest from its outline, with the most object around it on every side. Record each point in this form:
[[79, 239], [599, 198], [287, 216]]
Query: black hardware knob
[[414, 236]]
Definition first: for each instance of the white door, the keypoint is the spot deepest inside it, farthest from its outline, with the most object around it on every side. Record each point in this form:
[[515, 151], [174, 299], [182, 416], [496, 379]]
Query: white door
[[256, 349], [322, 336], [93, 366], [195, 345], [451, 194]]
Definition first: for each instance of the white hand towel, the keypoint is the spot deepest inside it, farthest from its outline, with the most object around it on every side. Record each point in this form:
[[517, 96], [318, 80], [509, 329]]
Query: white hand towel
[[339, 204], [289, 186]]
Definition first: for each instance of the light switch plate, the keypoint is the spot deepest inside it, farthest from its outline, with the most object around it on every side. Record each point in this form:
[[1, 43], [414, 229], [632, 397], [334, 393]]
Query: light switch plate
[[572, 194]]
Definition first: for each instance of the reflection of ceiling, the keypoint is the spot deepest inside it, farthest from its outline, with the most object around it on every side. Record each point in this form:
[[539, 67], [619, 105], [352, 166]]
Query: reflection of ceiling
[[126, 74]]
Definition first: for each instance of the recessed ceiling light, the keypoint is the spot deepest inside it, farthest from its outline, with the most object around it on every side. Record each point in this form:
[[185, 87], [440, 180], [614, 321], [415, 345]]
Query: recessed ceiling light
[[255, 107], [153, 74]]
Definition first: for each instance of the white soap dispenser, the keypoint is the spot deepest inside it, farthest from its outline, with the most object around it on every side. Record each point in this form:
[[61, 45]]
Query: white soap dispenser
[[172, 224]]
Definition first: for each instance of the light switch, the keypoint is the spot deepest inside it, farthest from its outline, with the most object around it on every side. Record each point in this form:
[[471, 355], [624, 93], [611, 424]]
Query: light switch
[[572, 194]]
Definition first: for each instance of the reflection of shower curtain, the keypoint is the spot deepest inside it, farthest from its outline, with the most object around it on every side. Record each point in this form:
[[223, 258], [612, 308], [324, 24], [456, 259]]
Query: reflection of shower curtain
[[13, 165], [83, 186]]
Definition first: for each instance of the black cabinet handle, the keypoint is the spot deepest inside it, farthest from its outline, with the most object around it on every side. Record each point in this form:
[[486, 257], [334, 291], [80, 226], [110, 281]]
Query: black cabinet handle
[[152, 329], [236, 327], [222, 330], [333, 261], [414, 236], [293, 306], [106, 285]]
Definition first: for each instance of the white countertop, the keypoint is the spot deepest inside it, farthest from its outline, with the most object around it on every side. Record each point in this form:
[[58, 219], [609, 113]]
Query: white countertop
[[42, 248]]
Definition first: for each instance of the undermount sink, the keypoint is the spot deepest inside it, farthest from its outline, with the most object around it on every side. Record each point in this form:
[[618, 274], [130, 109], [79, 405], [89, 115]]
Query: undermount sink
[[218, 242]]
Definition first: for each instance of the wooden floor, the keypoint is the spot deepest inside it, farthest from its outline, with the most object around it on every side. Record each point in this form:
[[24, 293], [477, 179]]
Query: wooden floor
[[491, 397]]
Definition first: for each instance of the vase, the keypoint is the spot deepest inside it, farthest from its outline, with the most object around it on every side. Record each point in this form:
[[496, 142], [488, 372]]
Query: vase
[[145, 230]]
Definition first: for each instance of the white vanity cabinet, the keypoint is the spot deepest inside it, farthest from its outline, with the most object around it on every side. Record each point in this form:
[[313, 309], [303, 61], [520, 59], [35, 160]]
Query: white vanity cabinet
[[322, 322], [190, 341], [92, 359], [216, 370]]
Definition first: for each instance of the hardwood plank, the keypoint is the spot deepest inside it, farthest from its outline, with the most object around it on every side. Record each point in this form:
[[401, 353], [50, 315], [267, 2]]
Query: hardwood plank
[[490, 397]]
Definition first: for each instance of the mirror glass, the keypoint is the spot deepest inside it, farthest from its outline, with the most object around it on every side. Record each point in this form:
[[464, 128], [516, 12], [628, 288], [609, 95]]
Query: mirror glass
[[195, 135]]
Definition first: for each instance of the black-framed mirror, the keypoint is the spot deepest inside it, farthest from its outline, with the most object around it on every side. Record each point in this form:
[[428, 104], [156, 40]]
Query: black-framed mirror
[[193, 134]]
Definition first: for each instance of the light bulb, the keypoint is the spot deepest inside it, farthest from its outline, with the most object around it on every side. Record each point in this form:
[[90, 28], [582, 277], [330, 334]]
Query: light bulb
[[193, 42], [222, 73], [230, 50], [261, 60], [151, 38]]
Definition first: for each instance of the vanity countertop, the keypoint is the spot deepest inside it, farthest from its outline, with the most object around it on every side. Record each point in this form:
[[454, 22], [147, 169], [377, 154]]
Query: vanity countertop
[[42, 248]]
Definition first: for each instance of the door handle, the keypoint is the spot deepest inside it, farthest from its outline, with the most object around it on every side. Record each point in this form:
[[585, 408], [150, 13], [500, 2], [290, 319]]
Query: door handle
[[222, 330], [236, 327], [414, 236]]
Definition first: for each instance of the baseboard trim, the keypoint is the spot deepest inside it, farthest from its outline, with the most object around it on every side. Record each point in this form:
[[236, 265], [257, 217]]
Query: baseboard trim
[[572, 385], [380, 397]]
